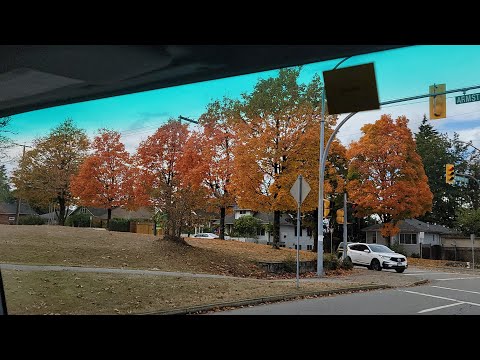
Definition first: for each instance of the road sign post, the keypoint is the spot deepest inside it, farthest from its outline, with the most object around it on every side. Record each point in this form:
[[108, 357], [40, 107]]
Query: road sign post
[[472, 237], [299, 191], [421, 236]]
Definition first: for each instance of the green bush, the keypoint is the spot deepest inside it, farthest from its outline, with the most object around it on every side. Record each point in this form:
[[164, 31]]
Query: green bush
[[398, 249], [117, 224], [346, 264], [330, 262], [31, 220], [78, 220]]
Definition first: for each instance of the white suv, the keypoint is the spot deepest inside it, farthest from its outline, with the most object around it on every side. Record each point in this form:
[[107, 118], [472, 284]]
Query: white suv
[[376, 257]]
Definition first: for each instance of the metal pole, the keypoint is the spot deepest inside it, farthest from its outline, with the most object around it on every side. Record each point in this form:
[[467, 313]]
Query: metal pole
[[320, 191], [17, 215], [3, 302], [298, 228], [472, 237], [345, 229]]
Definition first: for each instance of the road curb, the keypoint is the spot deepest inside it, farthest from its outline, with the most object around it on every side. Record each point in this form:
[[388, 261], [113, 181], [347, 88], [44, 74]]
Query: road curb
[[274, 298]]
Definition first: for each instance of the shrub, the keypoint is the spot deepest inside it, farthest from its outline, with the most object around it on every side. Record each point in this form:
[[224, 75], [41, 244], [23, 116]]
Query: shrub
[[346, 264], [398, 249], [117, 224], [330, 262], [31, 220], [290, 264], [78, 220], [247, 226], [415, 255]]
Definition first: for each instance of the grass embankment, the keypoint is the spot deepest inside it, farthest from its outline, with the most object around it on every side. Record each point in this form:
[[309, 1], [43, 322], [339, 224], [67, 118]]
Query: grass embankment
[[45, 292]]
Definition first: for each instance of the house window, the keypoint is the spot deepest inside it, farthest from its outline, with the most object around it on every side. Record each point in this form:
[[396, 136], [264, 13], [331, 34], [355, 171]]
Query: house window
[[296, 231], [309, 247], [83, 210], [299, 247], [408, 239], [374, 237], [261, 232], [243, 212]]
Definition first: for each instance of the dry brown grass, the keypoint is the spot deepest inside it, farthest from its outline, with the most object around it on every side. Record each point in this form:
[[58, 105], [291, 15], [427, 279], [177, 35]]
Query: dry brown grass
[[56, 245], [426, 262], [92, 293]]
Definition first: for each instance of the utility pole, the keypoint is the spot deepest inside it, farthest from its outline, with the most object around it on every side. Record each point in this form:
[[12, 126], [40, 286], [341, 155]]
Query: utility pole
[[17, 214]]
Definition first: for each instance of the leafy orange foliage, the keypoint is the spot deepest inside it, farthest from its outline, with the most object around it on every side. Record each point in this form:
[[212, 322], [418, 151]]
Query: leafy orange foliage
[[102, 176], [387, 175], [278, 139], [159, 178]]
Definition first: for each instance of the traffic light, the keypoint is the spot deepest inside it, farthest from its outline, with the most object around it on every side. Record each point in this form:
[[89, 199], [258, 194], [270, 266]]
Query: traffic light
[[326, 207], [449, 173], [340, 216], [438, 103]]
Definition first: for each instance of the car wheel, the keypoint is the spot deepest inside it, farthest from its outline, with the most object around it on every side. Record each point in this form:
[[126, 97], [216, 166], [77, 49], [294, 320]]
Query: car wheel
[[399, 270], [349, 259], [375, 265]]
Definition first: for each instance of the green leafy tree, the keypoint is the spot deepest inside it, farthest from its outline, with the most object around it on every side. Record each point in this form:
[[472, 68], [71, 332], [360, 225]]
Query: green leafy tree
[[44, 173], [435, 150], [468, 221], [247, 226]]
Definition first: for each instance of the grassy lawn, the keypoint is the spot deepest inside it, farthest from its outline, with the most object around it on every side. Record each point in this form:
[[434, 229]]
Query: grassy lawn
[[55, 245], [49, 292], [39, 292]]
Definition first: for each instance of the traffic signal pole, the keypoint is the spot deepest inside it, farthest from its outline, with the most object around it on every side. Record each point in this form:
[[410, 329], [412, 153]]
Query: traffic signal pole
[[324, 153], [345, 228]]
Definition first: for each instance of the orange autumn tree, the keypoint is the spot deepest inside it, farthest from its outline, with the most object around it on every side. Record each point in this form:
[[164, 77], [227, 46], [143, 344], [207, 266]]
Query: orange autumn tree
[[102, 176], [212, 167], [159, 178], [386, 174], [278, 139]]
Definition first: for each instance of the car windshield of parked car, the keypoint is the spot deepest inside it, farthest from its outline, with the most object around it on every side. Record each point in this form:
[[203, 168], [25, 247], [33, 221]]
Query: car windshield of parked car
[[380, 249]]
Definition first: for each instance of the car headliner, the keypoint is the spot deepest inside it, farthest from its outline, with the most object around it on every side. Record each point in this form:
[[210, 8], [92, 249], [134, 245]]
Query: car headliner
[[33, 77]]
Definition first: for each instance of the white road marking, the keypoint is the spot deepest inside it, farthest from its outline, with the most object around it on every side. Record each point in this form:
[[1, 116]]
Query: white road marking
[[440, 307], [440, 297], [461, 278], [468, 291]]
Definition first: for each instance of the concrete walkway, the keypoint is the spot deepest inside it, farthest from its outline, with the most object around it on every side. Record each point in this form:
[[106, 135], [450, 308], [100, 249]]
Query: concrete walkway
[[21, 267]]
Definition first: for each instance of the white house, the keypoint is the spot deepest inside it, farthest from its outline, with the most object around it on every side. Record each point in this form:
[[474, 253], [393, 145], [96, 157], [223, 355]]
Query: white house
[[409, 236], [288, 229]]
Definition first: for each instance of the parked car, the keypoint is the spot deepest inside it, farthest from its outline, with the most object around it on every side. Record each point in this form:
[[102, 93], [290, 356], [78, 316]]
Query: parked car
[[374, 256], [206, 236]]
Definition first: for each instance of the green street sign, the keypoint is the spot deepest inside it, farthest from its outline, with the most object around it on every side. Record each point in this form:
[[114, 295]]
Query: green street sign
[[467, 98]]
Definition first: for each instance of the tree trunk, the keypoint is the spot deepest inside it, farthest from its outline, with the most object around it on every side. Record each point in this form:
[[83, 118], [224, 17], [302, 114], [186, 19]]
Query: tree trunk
[[61, 215], [222, 223], [276, 229], [109, 216]]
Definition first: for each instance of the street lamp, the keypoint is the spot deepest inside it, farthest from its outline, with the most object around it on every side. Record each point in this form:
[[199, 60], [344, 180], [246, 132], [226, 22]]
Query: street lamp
[[17, 214]]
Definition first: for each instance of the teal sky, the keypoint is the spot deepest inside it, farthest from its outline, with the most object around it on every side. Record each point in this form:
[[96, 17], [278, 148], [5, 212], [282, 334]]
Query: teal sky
[[400, 73]]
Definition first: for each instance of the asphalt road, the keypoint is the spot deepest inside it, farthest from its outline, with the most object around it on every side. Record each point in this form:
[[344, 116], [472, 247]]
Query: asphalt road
[[447, 293]]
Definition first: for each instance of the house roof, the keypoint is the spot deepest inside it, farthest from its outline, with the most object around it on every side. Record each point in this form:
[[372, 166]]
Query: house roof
[[7, 208], [414, 225], [141, 213]]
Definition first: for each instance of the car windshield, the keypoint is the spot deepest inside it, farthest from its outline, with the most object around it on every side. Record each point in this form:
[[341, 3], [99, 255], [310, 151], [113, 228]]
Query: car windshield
[[380, 249]]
